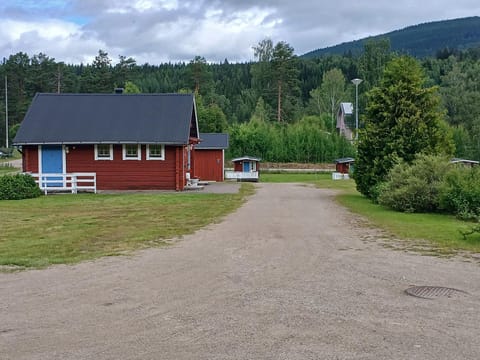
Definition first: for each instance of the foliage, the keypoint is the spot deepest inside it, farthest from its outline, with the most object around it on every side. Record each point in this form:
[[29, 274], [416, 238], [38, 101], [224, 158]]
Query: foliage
[[131, 88], [460, 194], [211, 119], [432, 184], [98, 78], [473, 230], [415, 187], [403, 119], [459, 89], [17, 187], [199, 75], [275, 77], [304, 141], [376, 55], [327, 97]]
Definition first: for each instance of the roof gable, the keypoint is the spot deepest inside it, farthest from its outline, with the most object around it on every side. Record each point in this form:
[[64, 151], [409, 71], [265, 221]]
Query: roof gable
[[109, 118], [346, 108]]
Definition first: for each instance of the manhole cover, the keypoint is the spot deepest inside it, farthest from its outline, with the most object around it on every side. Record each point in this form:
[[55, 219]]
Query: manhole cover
[[434, 292]]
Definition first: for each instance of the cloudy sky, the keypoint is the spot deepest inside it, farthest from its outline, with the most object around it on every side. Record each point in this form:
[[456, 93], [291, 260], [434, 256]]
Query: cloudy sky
[[157, 31]]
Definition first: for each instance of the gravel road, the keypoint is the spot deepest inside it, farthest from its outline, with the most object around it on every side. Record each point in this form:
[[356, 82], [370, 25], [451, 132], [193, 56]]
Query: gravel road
[[290, 275]]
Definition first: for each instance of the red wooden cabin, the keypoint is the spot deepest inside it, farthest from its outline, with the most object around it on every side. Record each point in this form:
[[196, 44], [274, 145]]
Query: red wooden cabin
[[126, 142]]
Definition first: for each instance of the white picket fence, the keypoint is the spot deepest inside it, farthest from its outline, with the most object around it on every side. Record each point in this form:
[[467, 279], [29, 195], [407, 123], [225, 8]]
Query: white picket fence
[[240, 175], [72, 182], [340, 176]]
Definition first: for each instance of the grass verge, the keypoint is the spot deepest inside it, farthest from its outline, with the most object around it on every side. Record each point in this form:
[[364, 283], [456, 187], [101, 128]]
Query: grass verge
[[65, 229], [7, 169], [441, 231]]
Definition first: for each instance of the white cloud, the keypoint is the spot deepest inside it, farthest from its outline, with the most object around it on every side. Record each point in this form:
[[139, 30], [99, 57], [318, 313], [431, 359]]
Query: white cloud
[[51, 30], [155, 31]]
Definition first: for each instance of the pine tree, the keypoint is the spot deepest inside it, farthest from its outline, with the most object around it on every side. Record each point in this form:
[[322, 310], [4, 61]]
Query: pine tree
[[403, 119]]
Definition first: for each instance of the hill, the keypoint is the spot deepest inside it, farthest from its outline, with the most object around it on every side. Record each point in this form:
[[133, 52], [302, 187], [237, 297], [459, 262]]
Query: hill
[[419, 40]]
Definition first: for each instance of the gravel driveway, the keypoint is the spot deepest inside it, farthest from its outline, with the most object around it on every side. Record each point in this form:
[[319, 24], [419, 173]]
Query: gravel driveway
[[290, 275]]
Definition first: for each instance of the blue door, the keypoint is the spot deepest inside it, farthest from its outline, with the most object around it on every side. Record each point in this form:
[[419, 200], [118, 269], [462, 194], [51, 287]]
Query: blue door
[[246, 166], [52, 163]]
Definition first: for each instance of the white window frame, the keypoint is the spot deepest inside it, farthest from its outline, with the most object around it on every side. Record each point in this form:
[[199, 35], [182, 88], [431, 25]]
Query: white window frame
[[150, 157], [102, 157], [124, 152]]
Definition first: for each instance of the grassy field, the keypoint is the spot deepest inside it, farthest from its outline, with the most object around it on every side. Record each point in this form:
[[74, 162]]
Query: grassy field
[[441, 231], [6, 168], [63, 229]]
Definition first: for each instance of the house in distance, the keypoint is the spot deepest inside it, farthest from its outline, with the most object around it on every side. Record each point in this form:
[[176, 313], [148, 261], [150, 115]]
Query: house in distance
[[245, 168], [127, 141], [344, 113]]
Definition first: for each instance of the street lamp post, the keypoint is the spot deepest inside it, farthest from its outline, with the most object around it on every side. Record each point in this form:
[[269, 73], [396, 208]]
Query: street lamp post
[[356, 82], [6, 113]]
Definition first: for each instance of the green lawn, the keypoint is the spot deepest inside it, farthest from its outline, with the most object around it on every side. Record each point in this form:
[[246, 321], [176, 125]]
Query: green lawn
[[6, 168], [441, 231], [63, 229]]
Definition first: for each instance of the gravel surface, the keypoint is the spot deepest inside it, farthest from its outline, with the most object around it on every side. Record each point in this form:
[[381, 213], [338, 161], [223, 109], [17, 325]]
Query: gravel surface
[[290, 275]]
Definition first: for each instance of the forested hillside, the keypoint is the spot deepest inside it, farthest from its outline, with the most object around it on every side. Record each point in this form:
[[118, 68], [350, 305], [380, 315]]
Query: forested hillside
[[280, 107], [419, 40]]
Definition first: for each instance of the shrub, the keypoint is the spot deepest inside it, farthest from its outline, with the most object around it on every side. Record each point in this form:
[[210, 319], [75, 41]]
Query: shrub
[[460, 193], [415, 187], [17, 187]]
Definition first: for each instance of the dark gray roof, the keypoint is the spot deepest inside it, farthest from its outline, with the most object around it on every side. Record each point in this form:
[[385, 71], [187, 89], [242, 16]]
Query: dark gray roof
[[345, 160], [109, 118], [212, 141], [251, 158]]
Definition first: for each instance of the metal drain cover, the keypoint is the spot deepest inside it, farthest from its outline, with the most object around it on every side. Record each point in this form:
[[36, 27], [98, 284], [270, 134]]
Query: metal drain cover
[[434, 292]]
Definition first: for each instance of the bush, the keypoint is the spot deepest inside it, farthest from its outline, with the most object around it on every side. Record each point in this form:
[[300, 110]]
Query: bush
[[460, 193], [17, 187], [415, 187]]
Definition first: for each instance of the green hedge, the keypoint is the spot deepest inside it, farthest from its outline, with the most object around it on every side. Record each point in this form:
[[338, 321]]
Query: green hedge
[[415, 187], [432, 184], [460, 193], [17, 187]]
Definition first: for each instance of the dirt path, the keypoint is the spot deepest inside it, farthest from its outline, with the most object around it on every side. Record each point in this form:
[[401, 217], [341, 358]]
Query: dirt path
[[288, 276]]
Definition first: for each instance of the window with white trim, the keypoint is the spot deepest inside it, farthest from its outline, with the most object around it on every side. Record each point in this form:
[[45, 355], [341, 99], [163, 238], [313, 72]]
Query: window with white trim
[[131, 152], [155, 152], [103, 152]]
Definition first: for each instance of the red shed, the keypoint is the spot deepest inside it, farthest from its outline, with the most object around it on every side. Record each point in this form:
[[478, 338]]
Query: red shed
[[210, 156], [344, 165], [109, 141], [245, 168]]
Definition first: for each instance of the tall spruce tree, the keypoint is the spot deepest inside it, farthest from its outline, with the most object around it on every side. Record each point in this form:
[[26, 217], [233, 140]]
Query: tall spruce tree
[[275, 77], [403, 119]]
